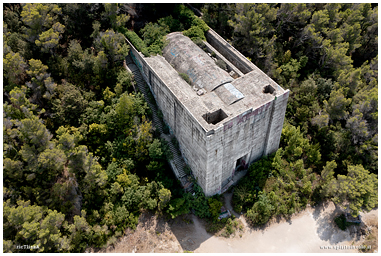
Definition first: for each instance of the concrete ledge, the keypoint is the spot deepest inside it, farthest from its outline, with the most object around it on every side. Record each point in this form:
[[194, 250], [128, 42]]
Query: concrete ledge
[[230, 65], [229, 52]]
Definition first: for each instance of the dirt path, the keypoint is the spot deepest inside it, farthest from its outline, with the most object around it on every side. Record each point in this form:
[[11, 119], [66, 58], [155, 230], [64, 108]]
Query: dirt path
[[308, 231], [312, 230]]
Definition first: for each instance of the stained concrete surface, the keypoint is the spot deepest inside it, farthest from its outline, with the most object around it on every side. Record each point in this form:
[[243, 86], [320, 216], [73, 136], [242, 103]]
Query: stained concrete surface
[[252, 119]]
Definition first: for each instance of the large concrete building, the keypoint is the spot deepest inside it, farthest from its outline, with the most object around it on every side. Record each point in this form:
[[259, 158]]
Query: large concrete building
[[226, 118]]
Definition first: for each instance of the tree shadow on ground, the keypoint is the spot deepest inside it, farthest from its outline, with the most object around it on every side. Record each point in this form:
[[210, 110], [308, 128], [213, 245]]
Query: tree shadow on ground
[[185, 231], [250, 228], [184, 227], [327, 230], [318, 209]]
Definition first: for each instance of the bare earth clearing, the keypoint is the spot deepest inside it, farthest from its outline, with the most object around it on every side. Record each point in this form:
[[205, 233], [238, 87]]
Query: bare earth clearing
[[306, 231]]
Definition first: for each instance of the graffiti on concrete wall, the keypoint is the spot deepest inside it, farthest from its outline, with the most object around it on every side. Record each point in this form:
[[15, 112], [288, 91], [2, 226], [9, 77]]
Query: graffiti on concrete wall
[[192, 75], [245, 116], [198, 60], [174, 51], [136, 61]]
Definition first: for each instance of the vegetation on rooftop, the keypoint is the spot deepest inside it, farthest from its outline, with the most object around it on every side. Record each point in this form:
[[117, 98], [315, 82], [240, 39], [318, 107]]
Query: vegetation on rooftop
[[326, 54], [153, 33], [185, 77], [81, 160]]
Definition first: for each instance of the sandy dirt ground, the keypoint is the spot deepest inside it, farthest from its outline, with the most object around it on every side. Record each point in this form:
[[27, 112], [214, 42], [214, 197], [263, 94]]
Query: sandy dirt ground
[[152, 234], [311, 230]]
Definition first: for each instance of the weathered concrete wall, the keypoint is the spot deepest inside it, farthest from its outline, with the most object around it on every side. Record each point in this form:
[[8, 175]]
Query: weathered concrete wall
[[189, 133], [253, 134], [244, 136], [212, 155], [277, 119]]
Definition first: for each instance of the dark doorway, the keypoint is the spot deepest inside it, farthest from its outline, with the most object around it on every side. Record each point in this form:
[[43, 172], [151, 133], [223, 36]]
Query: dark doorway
[[240, 163]]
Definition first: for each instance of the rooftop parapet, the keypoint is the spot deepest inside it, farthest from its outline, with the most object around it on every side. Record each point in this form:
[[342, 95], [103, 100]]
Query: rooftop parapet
[[224, 98]]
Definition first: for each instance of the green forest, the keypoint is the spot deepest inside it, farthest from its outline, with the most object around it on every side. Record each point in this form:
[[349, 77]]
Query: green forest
[[82, 160]]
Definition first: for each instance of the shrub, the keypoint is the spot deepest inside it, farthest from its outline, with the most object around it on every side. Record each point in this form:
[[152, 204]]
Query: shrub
[[197, 22], [122, 30], [158, 46], [341, 222], [125, 79], [214, 207], [195, 32], [188, 19], [221, 64], [140, 45], [155, 50], [146, 52], [150, 97], [214, 227], [160, 114], [244, 195], [187, 169], [200, 206], [175, 143], [185, 77], [260, 171], [200, 203], [199, 43], [165, 147], [165, 129], [171, 23], [137, 42], [185, 15], [229, 227], [153, 32], [178, 206], [261, 211], [154, 37]]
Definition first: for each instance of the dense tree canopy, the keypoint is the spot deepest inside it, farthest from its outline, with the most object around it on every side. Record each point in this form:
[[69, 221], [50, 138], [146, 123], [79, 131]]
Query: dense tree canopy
[[325, 54], [81, 159], [79, 149]]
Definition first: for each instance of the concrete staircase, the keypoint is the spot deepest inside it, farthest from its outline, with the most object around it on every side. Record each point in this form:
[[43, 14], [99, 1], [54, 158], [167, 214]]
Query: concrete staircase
[[177, 163]]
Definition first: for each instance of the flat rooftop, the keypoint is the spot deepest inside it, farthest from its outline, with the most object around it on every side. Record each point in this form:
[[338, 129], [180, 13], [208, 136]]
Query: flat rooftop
[[214, 97]]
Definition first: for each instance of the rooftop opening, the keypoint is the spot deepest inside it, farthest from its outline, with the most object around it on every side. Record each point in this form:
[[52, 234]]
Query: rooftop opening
[[268, 89], [215, 117]]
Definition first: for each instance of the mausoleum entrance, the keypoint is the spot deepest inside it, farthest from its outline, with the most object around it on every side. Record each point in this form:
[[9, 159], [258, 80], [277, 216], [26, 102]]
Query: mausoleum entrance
[[241, 164]]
